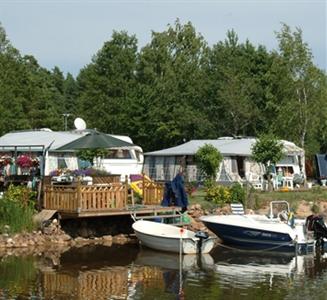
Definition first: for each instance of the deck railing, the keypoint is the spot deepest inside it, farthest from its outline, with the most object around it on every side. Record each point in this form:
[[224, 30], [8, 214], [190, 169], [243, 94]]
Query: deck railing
[[152, 192], [61, 198], [80, 198]]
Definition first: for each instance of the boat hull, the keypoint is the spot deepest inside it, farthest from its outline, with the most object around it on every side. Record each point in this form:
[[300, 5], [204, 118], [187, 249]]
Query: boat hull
[[166, 237], [250, 238], [170, 244]]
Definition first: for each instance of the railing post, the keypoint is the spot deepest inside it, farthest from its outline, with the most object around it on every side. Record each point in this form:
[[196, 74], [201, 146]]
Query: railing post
[[126, 190], [143, 188], [45, 195], [48, 198], [79, 196]]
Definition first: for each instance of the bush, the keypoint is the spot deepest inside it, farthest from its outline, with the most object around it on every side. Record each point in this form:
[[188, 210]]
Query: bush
[[209, 183], [221, 195], [17, 210], [208, 159], [218, 194], [237, 193]]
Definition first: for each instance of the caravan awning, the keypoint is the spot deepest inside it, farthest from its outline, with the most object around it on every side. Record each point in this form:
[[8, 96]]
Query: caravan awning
[[226, 146]]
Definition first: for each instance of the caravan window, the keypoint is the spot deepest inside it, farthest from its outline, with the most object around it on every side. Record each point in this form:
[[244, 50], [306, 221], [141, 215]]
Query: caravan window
[[287, 160], [62, 163], [118, 154]]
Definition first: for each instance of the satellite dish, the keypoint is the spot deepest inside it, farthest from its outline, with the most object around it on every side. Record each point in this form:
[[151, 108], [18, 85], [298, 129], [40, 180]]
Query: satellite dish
[[79, 124]]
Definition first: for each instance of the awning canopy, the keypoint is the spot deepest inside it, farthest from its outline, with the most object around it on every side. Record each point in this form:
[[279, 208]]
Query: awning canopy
[[227, 146], [95, 140]]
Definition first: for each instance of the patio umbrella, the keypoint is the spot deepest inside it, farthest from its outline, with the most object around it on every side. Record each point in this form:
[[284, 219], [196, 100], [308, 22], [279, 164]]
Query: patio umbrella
[[95, 140]]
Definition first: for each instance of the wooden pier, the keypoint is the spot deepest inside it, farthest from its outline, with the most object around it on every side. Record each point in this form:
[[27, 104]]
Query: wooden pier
[[112, 199]]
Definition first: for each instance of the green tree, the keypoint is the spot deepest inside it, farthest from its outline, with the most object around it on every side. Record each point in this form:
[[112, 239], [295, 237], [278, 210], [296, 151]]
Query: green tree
[[107, 85], [236, 86], [172, 82], [70, 91], [302, 101], [208, 159], [30, 97], [11, 86], [268, 151]]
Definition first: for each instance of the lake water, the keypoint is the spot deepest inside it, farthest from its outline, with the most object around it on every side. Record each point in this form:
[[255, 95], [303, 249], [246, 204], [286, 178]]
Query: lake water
[[128, 272]]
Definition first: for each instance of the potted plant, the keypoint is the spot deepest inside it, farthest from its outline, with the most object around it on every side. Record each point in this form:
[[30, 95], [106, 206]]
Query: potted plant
[[24, 161], [5, 160]]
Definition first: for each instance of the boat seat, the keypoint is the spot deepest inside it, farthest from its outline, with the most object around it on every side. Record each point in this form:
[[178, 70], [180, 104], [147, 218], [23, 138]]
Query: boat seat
[[237, 208]]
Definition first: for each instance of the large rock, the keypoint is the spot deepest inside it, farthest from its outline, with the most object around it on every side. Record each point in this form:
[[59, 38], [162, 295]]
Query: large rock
[[120, 239], [107, 240]]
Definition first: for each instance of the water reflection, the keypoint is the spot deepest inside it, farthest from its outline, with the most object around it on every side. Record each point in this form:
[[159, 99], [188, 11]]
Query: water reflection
[[127, 272], [96, 272], [246, 269], [171, 261]]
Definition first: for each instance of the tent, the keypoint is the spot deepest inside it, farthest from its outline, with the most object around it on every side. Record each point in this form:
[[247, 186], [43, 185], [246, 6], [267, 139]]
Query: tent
[[237, 164]]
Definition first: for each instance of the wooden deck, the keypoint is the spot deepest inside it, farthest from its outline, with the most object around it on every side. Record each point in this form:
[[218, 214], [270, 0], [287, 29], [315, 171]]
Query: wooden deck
[[76, 201]]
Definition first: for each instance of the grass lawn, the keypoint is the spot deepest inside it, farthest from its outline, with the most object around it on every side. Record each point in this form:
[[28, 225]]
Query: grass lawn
[[258, 199]]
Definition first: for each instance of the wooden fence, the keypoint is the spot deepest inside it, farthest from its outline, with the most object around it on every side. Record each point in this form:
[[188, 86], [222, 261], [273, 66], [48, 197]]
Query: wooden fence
[[152, 192], [80, 198]]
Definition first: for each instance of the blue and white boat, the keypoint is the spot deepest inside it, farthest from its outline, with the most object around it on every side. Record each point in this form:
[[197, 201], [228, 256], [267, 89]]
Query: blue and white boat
[[260, 232]]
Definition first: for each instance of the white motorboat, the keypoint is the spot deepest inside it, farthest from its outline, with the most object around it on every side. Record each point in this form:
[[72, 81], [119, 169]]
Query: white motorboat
[[260, 232], [165, 237]]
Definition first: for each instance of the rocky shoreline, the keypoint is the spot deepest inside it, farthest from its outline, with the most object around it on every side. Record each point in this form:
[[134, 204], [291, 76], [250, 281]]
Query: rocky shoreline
[[52, 237]]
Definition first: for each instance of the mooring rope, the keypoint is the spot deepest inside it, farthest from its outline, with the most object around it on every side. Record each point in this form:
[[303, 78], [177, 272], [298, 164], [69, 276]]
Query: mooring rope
[[266, 249]]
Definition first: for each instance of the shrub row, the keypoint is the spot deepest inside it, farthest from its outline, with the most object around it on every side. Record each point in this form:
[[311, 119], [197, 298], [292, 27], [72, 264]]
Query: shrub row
[[17, 207], [222, 195]]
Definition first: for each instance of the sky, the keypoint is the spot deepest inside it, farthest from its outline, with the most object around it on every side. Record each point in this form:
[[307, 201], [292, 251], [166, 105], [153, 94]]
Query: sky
[[67, 33]]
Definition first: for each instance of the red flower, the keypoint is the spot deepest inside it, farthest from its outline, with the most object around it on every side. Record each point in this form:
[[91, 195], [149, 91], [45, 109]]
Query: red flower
[[24, 161]]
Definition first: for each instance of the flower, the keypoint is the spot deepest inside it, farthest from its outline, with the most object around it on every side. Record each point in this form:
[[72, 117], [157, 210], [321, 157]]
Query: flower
[[54, 173], [5, 160], [24, 161], [35, 162], [90, 172]]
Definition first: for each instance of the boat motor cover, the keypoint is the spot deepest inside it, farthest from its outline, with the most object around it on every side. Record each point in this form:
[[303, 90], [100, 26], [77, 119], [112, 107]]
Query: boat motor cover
[[201, 235], [316, 224]]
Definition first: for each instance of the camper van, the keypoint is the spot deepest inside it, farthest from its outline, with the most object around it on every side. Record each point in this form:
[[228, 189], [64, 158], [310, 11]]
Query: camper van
[[44, 144], [123, 161]]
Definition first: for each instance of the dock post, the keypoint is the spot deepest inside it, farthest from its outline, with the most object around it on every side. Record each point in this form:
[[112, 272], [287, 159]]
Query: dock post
[[126, 191], [79, 196]]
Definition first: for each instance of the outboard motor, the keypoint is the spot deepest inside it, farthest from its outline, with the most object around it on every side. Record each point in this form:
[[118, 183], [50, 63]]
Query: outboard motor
[[317, 225], [202, 236]]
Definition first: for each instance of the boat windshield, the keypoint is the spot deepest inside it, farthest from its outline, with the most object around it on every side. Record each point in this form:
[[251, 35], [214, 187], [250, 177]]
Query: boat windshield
[[277, 207]]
